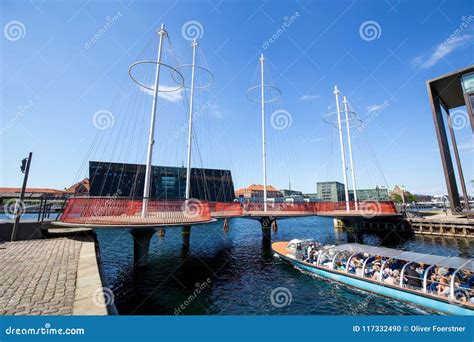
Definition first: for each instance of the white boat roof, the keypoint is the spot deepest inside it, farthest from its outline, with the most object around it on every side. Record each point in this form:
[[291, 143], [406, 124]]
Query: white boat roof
[[430, 259]]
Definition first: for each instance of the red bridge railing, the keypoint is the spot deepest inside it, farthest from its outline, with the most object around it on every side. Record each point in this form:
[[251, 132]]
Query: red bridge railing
[[364, 208], [124, 211]]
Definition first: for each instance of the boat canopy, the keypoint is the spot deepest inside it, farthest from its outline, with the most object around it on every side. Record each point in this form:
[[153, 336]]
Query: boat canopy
[[444, 261]]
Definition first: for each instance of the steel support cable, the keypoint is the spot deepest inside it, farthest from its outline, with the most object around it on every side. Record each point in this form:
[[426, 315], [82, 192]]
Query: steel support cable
[[104, 148]]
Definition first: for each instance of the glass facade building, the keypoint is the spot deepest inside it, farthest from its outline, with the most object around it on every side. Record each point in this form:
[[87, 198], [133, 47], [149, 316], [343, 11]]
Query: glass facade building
[[127, 180], [330, 191]]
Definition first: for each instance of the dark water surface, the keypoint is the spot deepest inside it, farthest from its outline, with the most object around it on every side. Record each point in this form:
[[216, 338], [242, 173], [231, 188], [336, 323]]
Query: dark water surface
[[243, 272]]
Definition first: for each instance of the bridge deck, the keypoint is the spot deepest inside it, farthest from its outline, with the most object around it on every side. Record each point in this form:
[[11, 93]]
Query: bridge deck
[[124, 212]]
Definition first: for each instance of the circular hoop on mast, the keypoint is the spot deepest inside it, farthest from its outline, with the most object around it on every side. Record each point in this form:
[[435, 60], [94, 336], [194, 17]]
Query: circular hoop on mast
[[211, 76], [251, 89], [331, 118], [173, 70]]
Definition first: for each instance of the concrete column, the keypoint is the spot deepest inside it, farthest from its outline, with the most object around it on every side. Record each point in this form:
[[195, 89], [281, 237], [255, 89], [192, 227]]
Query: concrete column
[[444, 151], [266, 223], [186, 235], [141, 245]]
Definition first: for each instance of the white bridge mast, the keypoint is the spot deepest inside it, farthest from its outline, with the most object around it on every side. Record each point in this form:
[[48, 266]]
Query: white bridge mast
[[344, 100], [151, 139], [264, 156], [194, 44], [343, 154]]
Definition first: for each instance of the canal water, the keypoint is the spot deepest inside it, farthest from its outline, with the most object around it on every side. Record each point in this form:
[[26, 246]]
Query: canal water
[[234, 273]]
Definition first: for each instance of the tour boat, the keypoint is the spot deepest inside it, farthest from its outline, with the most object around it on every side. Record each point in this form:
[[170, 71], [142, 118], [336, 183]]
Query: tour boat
[[439, 283]]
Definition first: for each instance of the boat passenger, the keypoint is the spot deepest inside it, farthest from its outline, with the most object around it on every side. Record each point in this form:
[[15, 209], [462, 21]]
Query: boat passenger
[[412, 278], [352, 266], [376, 272], [387, 276], [443, 288]]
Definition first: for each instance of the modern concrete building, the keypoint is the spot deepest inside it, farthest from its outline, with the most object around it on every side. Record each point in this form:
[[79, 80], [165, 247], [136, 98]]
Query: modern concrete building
[[376, 194], [452, 94], [330, 191]]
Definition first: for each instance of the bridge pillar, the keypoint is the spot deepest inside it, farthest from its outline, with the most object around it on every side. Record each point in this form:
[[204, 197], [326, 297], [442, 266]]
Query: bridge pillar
[[141, 245], [266, 223], [186, 235]]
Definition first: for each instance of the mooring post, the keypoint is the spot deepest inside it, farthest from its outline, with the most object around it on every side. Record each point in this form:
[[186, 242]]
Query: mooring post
[[141, 245]]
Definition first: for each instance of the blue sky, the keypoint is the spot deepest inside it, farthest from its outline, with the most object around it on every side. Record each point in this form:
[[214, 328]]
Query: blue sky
[[64, 64]]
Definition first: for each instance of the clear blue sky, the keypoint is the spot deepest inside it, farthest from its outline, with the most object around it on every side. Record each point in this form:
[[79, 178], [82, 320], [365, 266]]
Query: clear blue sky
[[56, 76]]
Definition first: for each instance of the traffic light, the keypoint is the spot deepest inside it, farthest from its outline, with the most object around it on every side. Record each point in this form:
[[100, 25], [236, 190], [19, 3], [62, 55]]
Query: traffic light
[[23, 165]]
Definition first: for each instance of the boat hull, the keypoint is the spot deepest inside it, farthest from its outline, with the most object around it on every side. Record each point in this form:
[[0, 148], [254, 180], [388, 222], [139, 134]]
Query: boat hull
[[433, 304]]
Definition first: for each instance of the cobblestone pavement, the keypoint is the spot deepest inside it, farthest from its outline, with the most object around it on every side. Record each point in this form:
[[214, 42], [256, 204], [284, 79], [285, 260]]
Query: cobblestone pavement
[[38, 277]]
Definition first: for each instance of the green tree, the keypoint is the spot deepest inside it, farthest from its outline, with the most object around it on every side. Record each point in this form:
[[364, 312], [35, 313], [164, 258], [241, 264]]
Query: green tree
[[397, 198]]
